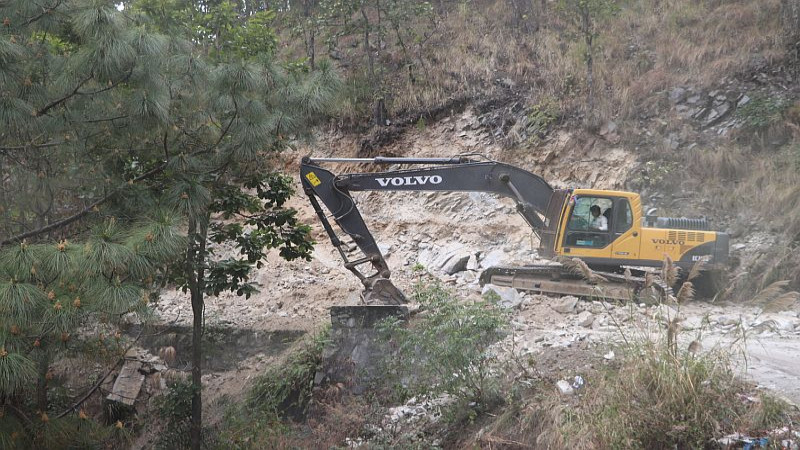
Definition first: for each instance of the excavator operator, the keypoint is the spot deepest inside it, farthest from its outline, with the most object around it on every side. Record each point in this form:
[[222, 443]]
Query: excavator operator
[[599, 221]]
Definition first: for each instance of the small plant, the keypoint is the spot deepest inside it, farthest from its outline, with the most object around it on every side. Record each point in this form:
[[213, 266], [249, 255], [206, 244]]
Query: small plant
[[284, 391], [540, 118], [447, 351], [761, 112], [655, 173], [175, 409]]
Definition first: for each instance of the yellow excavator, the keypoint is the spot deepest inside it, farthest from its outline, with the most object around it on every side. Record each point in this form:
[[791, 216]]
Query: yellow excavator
[[606, 246]]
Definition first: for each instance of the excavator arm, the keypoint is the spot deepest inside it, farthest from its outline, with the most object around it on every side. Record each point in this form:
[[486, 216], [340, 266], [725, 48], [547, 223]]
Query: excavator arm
[[530, 192]]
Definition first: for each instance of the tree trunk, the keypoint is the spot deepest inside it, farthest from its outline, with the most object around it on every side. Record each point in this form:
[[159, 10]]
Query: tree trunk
[[195, 259], [586, 25], [41, 383], [312, 31], [367, 49]]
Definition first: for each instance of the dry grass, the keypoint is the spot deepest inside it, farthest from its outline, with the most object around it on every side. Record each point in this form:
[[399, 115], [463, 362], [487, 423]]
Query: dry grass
[[661, 394], [754, 189], [655, 398], [476, 48], [649, 46]]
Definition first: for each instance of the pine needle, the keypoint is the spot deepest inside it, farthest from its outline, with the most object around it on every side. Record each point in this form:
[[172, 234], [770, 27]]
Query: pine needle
[[686, 293], [770, 292], [783, 302]]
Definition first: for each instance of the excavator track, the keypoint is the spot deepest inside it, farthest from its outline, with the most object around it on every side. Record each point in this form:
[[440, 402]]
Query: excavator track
[[560, 280]]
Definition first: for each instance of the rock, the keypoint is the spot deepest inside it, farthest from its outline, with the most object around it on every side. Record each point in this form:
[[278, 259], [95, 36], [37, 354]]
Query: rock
[[457, 263], [447, 252], [743, 101], [608, 128], [737, 247], [469, 276], [693, 322], [493, 258], [664, 312], [509, 297], [564, 387], [472, 263], [585, 319], [386, 249], [676, 95], [609, 356], [565, 305], [726, 320], [777, 323], [672, 141]]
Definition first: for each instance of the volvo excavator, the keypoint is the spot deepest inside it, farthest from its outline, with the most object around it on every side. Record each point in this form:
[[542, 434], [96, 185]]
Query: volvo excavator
[[620, 252]]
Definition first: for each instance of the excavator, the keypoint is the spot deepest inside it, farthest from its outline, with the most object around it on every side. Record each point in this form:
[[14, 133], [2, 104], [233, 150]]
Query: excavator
[[601, 243]]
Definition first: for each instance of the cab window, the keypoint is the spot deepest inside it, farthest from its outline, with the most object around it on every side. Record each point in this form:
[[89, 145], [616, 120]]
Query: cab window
[[589, 223], [624, 219]]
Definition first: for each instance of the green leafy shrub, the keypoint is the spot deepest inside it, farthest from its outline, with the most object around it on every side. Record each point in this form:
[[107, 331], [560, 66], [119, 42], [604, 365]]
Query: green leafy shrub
[[446, 350], [174, 408], [284, 391], [540, 119], [761, 112]]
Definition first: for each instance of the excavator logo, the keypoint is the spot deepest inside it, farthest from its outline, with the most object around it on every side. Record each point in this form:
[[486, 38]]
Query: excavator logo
[[409, 181], [668, 242]]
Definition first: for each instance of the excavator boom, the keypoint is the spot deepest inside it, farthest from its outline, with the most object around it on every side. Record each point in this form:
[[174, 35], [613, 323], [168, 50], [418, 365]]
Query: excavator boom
[[530, 192]]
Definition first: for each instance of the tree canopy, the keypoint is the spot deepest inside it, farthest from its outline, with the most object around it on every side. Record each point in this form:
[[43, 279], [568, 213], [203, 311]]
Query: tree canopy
[[128, 140]]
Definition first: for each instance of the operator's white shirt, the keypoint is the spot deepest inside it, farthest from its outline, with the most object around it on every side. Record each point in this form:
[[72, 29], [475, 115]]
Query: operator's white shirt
[[600, 223]]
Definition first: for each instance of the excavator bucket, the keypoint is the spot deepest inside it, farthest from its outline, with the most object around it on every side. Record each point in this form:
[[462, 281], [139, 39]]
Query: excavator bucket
[[383, 292]]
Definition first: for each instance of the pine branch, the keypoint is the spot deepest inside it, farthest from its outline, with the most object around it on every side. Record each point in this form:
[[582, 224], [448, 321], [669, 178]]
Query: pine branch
[[45, 11], [55, 103], [108, 119], [27, 423], [27, 146], [79, 215]]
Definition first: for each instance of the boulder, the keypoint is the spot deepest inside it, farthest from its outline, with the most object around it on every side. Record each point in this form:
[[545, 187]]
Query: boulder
[[457, 263], [494, 258], [586, 319], [472, 263], [509, 297], [565, 305], [564, 387]]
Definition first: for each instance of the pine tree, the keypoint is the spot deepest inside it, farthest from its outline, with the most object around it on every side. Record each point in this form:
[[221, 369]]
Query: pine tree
[[116, 131], [79, 88]]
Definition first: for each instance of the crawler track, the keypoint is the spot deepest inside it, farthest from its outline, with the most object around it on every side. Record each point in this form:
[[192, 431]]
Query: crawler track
[[559, 280]]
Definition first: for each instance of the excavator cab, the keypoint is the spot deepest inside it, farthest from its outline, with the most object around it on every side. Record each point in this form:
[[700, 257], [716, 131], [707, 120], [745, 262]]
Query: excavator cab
[[624, 240]]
